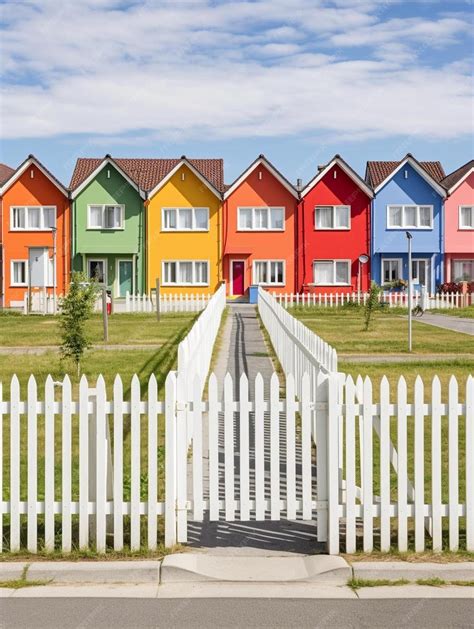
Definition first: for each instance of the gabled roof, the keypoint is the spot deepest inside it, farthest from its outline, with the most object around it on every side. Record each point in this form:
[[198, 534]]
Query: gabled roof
[[146, 173], [454, 179], [261, 161], [378, 173], [29, 161], [209, 171], [338, 161], [5, 172]]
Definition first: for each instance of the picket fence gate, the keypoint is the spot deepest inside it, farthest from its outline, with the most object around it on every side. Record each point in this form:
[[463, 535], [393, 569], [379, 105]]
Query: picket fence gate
[[392, 299]]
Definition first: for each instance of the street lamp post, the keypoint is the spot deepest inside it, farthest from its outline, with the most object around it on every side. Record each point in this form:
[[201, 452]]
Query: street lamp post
[[409, 239], [363, 259]]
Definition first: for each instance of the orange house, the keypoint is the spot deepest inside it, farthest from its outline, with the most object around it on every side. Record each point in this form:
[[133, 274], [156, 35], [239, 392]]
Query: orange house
[[259, 231], [34, 233]]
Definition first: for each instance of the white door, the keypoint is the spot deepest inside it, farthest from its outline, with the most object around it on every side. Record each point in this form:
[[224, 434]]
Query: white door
[[420, 273], [38, 267]]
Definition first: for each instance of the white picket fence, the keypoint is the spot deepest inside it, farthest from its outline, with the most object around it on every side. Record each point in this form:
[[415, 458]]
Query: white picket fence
[[391, 298], [168, 303]]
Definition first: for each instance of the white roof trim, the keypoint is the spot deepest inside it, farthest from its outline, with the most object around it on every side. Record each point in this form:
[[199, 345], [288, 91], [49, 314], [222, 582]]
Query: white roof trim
[[261, 161], [460, 181], [104, 162], [193, 169], [420, 170], [349, 172], [18, 173]]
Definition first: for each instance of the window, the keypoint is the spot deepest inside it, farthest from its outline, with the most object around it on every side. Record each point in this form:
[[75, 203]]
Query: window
[[186, 273], [391, 270], [269, 272], [332, 272], [105, 216], [466, 217], [19, 271], [185, 219], [332, 217], [261, 218], [410, 216], [96, 270], [33, 218], [463, 271]]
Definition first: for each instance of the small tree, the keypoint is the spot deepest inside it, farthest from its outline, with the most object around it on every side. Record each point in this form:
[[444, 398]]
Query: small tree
[[371, 304], [75, 309]]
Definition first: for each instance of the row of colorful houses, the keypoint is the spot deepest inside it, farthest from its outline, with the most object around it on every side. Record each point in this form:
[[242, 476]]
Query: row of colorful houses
[[129, 222]]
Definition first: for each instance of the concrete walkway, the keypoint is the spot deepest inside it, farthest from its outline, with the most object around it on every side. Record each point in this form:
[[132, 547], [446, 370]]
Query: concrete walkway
[[243, 350], [456, 324]]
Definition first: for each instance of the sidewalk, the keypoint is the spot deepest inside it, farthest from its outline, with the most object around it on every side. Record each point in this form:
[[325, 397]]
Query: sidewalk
[[456, 324], [243, 350]]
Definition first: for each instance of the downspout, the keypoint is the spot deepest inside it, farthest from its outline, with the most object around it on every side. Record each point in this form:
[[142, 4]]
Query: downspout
[[220, 261], [441, 241], [296, 248], [303, 241], [144, 256]]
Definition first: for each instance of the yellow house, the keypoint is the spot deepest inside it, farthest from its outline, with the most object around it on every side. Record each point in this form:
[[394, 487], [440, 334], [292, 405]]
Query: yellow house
[[183, 226]]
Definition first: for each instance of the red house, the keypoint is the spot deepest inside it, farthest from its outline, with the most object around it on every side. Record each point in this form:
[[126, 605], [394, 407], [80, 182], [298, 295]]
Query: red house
[[258, 232], [334, 231]]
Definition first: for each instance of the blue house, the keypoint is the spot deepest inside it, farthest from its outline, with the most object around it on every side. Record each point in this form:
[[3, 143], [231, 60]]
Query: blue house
[[408, 197]]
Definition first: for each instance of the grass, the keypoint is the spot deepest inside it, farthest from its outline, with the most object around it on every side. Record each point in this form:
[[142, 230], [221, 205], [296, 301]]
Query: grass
[[357, 584], [124, 329], [343, 329], [91, 555], [448, 556], [22, 582], [467, 312]]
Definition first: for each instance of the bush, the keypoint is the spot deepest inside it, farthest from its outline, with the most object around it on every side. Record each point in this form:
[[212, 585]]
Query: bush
[[371, 304]]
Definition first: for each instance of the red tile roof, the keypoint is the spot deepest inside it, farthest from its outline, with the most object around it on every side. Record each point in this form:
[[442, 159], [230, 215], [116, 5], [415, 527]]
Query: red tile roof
[[376, 172], [450, 180], [5, 172], [148, 172]]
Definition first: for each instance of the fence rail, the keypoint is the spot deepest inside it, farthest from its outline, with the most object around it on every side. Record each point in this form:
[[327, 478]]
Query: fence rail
[[390, 298]]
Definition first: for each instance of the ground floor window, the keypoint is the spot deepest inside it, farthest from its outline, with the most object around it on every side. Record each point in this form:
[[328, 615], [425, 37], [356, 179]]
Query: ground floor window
[[391, 270], [463, 271], [97, 270], [19, 273], [269, 272], [332, 272], [185, 273]]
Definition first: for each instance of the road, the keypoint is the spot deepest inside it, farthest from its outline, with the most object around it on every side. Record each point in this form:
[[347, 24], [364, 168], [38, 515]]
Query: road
[[123, 613]]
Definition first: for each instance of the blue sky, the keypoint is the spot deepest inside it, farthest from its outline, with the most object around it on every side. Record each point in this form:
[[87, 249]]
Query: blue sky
[[298, 80]]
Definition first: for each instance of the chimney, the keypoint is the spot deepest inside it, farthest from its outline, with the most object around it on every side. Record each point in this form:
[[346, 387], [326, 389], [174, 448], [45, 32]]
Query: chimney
[[299, 184]]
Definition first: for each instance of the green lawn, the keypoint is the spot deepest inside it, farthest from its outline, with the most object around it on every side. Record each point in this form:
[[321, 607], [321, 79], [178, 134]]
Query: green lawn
[[343, 328], [126, 329], [467, 313]]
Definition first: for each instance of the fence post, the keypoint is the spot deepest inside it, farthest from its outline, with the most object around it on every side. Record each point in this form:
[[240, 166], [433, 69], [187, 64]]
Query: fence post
[[333, 464]]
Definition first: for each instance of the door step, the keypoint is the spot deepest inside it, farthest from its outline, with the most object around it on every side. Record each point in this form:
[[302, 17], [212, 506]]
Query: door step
[[308, 568]]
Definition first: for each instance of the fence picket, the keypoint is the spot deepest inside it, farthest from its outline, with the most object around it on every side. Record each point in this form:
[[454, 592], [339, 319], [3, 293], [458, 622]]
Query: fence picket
[[229, 448], [419, 468], [152, 462], [275, 447], [170, 462], [66, 467], [436, 499], [49, 465], [350, 467], [244, 448], [367, 468], [213, 449], [32, 471], [402, 473], [83, 463], [101, 466], [259, 450], [469, 458], [1, 466], [453, 464], [118, 464], [384, 465], [135, 460], [306, 481], [290, 448], [197, 452]]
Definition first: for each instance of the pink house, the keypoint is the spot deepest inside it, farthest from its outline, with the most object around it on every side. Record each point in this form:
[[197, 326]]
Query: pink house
[[459, 224]]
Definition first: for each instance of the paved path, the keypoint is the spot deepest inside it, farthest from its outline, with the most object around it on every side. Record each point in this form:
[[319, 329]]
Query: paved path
[[456, 324], [243, 350]]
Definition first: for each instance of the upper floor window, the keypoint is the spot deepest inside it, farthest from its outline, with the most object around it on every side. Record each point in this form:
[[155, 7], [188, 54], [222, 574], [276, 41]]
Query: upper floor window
[[185, 219], [261, 218], [105, 216], [466, 217], [332, 272], [410, 216], [33, 218], [332, 217], [269, 272]]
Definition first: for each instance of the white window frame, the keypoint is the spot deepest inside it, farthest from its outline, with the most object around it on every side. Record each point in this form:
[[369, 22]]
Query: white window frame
[[104, 260], [462, 261], [102, 227], [399, 262], [462, 227], [404, 225], [348, 261], [269, 209], [193, 227], [16, 261], [427, 262], [334, 209], [268, 262], [177, 283], [42, 208]]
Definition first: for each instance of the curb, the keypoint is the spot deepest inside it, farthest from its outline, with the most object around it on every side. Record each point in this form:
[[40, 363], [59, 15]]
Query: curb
[[462, 571]]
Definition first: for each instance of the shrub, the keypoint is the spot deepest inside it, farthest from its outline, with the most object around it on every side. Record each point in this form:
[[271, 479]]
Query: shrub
[[371, 304]]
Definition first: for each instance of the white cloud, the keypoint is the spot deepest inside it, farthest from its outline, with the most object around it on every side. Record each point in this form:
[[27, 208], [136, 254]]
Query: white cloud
[[235, 69]]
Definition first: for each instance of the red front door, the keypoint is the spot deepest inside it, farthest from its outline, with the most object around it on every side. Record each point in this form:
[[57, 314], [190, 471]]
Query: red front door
[[237, 277]]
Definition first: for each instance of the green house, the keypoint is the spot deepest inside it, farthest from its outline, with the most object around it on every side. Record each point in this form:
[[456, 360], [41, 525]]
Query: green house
[[108, 231]]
